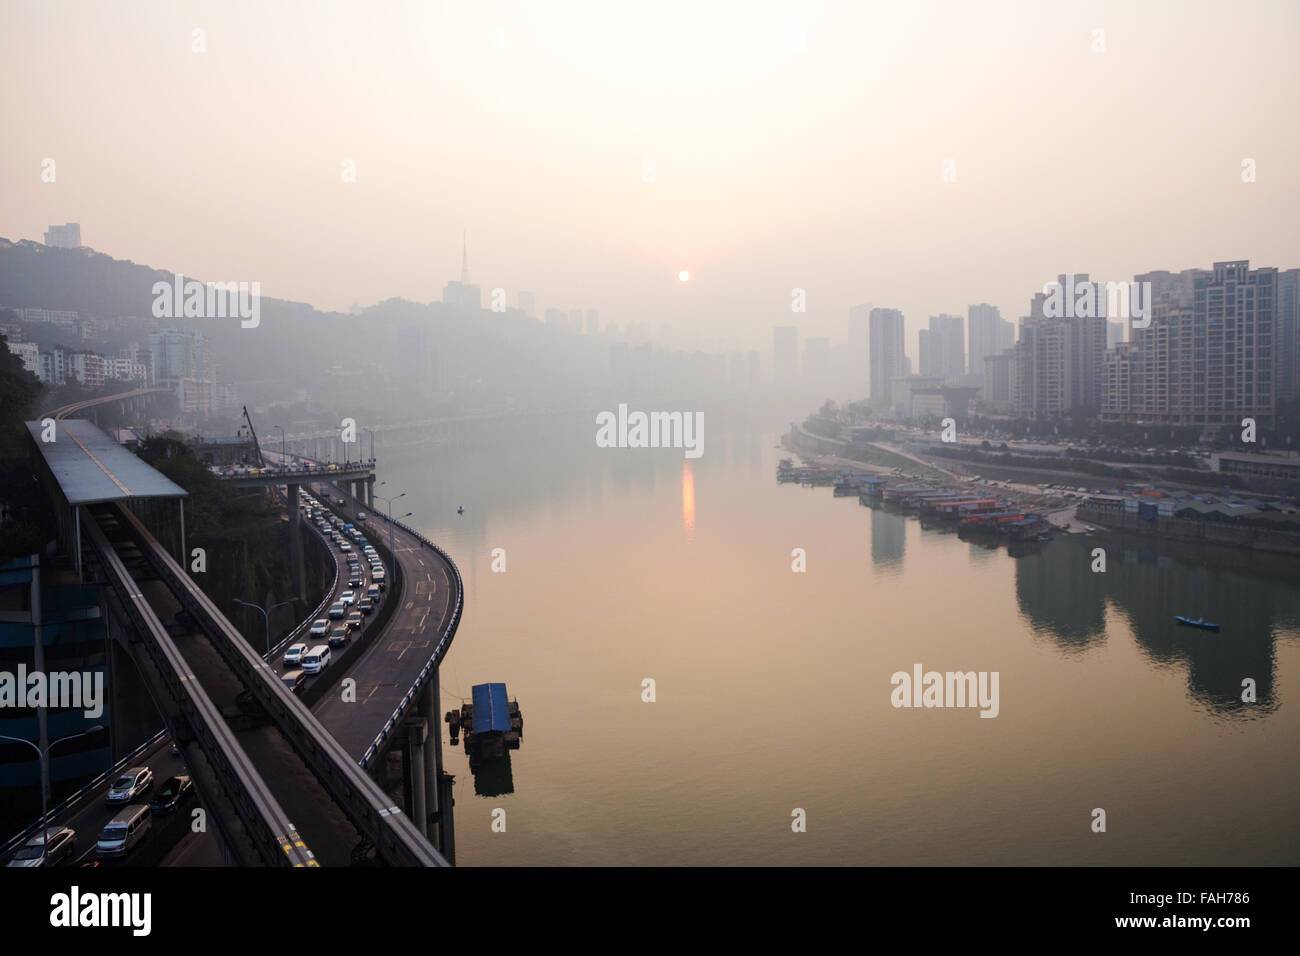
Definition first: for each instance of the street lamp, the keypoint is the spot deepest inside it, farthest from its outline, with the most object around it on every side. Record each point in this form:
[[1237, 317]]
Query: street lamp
[[266, 614], [44, 757], [372, 442], [390, 514]]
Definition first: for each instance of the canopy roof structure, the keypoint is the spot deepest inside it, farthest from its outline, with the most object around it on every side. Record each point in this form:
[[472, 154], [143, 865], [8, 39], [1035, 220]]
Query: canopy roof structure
[[90, 467]]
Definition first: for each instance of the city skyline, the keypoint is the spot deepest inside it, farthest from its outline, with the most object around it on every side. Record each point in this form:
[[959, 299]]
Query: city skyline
[[686, 190]]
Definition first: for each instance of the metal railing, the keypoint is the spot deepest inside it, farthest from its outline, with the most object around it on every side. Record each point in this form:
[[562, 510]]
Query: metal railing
[[439, 650], [75, 800]]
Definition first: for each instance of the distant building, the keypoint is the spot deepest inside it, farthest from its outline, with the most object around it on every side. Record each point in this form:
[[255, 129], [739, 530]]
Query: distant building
[[527, 304], [1059, 360], [53, 367], [942, 347], [785, 354], [29, 353], [1287, 336], [463, 295], [1114, 334], [67, 236], [1251, 465], [888, 358], [987, 334], [998, 377], [902, 390], [178, 353], [1207, 356], [754, 370], [48, 316], [593, 321]]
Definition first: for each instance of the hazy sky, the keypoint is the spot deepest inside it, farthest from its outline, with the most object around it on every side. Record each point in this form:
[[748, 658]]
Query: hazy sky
[[794, 145]]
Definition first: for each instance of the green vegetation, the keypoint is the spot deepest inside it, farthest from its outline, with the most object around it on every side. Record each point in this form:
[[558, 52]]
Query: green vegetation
[[21, 504]]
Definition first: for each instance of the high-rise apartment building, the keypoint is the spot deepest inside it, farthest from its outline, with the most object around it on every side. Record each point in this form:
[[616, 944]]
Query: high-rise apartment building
[[941, 348], [177, 353], [1207, 356], [888, 357], [1059, 359], [987, 334], [1287, 337]]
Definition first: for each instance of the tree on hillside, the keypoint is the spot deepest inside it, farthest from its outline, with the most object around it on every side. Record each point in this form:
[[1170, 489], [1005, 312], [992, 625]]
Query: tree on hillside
[[19, 392]]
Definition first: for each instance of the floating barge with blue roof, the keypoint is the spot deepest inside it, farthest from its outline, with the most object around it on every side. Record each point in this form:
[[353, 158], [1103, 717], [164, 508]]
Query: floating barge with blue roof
[[492, 722]]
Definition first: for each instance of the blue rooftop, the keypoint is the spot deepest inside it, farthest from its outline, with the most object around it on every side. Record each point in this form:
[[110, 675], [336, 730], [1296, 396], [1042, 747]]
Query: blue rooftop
[[491, 708]]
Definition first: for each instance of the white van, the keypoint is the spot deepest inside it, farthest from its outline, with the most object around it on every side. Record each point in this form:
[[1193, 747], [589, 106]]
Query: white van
[[124, 831], [377, 577], [316, 659]]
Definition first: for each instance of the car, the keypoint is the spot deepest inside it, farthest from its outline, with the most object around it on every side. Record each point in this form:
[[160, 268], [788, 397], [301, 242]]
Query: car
[[361, 516], [354, 580], [293, 656], [344, 546], [339, 636], [354, 620], [319, 627], [132, 783], [348, 597], [174, 791], [59, 845], [337, 610], [316, 659], [124, 831], [372, 593], [365, 605], [293, 680]]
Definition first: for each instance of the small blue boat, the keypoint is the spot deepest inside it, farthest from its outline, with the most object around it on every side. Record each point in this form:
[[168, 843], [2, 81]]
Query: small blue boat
[[1196, 622]]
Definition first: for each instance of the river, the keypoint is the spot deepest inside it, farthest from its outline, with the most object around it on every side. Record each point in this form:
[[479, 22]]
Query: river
[[772, 688]]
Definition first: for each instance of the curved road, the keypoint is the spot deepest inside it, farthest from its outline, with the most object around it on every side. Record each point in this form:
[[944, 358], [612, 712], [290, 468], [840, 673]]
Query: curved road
[[388, 668]]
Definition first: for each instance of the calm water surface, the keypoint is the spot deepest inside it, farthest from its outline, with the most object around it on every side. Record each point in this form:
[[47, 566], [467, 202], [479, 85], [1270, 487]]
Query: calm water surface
[[773, 688]]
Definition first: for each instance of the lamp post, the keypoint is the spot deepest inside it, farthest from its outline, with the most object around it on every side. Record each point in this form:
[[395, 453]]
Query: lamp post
[[266, 614], [371, 431], [44, 757], [390, 514]]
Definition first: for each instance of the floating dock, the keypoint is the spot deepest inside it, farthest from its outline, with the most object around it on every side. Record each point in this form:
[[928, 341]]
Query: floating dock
[[491, 721]]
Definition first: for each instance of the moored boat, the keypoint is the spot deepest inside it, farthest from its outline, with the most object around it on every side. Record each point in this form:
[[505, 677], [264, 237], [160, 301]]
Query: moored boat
[[1196, 622]]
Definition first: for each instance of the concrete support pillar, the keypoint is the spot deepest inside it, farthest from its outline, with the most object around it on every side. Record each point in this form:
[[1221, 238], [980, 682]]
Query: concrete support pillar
[[432, 754], [416, 732]]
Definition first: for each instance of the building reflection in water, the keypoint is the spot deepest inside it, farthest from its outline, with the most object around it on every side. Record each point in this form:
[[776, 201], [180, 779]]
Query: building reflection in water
[[888, 536], [1062, 597]]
